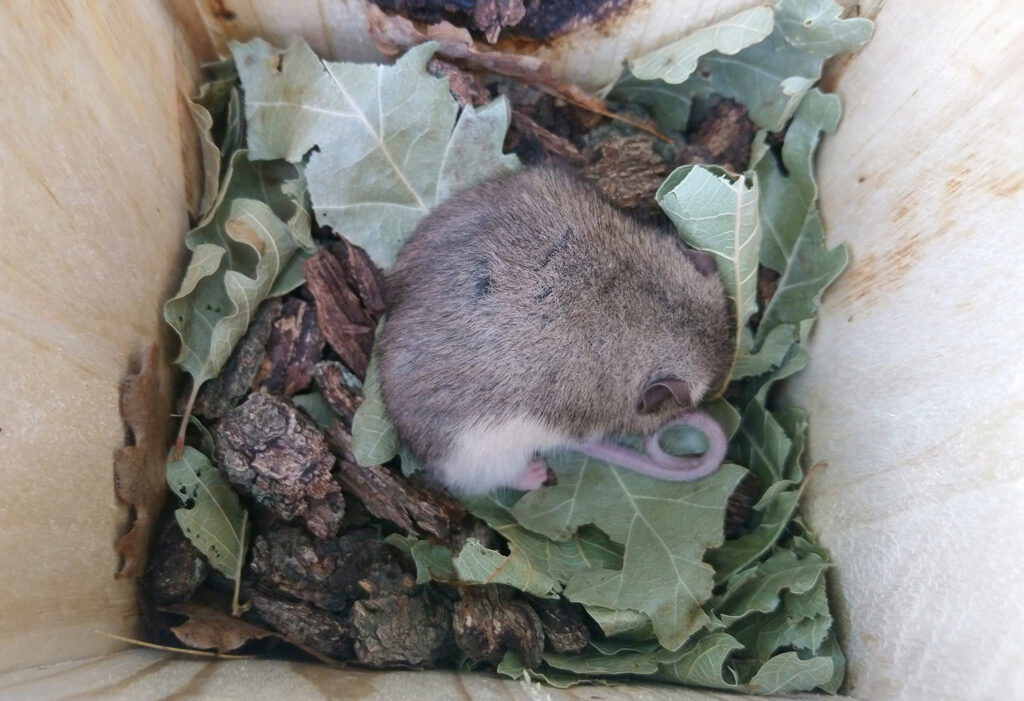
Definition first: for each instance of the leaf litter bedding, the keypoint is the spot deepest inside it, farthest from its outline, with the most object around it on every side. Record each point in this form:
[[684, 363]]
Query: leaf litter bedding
[[293, 518]]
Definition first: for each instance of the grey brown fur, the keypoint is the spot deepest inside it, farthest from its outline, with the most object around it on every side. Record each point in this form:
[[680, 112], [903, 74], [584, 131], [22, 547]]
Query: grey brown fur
[[530, 296]]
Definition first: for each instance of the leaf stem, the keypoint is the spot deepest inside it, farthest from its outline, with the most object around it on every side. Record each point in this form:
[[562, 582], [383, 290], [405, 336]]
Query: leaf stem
[[179, 442], [237, 610], [182, 650]]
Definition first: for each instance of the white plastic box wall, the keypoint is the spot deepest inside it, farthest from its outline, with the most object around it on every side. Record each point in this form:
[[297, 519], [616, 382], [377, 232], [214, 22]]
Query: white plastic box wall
[[915, 388]]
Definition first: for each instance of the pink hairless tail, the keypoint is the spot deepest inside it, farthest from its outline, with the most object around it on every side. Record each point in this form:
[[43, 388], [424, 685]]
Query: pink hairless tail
[[656, 462]]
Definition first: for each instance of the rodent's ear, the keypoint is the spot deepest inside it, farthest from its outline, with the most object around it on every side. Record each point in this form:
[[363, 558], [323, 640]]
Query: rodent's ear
[[659, 390], [703, 261]]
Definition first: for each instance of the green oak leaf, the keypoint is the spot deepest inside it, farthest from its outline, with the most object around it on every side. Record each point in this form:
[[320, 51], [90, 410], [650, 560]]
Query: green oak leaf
[[735, 555], [238, 253], [535, 564], [768, 357], [770, 77], [624, 623], [700, 662], [717, 212], [512, 665], [391, 141], [762, 445], [314, 404], [594, 662], [786, 672], [651, 78], [793, 243], [674, 62], [664, 527], [803, 622], [759, 590], [374, 438], [213, 518], [433, 562]]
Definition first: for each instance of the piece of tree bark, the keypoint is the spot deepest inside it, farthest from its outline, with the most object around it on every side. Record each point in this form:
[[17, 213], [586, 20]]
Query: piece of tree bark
[[340, 440], [491, 16], [387, 495], [328, 573], [553, 144], [491, 619], [741, 505], [628, 172], [339, 312], [723, 138], [340, 388], [223, 393], [401, 631], [362, 274], [176, 567], [277, 456], [564, 624], [293, 348], [464, 86], [305, 624]]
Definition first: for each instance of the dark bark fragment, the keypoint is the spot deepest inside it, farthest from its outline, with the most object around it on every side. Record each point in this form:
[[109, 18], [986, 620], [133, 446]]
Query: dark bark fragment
[[362, 275], [276, 455], [628, 172], [295, 345], [767, 285], [342, 319], [305, 624], [538, 20], [466, 87], [388, 495], [340, 388], [401, 631], [554, 145], [222, 393], [176, 567], [340, 440], [741, 505], [490, 620], [328, 573], [564, 624], [723, 138], [491, 16]]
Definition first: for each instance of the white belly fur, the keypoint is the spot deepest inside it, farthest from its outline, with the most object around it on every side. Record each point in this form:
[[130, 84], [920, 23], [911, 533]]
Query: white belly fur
[[490, 454]]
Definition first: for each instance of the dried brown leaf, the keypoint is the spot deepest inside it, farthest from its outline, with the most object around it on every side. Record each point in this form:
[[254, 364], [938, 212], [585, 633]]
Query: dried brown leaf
[[139, 469], [210, 629]]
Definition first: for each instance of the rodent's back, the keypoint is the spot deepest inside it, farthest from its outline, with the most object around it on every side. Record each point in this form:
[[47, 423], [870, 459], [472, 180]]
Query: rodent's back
[[530, 295]]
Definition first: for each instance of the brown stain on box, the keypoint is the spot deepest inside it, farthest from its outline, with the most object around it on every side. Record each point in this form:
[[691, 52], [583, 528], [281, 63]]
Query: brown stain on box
[[1008, 186], [870, 278], [921, 218], [220, 10]]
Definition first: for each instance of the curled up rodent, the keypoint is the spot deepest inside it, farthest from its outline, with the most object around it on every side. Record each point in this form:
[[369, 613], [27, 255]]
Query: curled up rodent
[[526, 314]]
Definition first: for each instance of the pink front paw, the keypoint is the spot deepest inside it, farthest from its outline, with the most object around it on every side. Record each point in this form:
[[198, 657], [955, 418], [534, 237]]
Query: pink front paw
[[535, 474]]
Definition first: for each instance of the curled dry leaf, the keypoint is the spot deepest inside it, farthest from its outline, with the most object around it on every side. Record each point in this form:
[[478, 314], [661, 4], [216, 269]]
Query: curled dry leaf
[[210, 629], [139, 468], [394, 34]]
